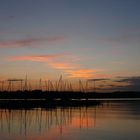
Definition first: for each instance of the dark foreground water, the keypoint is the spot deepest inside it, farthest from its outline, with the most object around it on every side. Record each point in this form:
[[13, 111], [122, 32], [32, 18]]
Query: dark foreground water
[[110, 120]]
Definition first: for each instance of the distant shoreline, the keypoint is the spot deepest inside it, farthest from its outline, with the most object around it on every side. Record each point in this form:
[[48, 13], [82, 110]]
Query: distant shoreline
[[65, 96], [39, 99]]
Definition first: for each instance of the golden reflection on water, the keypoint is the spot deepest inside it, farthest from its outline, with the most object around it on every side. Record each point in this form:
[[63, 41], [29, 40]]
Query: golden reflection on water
[[36, 121], [52, 124]]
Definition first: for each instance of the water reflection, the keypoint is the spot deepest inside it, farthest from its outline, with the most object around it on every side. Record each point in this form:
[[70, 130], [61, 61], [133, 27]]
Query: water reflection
[[112, 118], [26, 122]]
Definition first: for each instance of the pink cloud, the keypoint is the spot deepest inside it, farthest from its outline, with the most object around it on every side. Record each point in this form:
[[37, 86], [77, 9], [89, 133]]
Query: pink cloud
[[52, 60], [30, 42], [62, 65], [36, 58]]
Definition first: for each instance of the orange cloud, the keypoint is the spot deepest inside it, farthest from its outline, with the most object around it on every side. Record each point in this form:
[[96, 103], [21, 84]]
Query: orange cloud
[[29, 42], [50, 59], [36, 58], [83, 73], [62, 65], [70, 69]]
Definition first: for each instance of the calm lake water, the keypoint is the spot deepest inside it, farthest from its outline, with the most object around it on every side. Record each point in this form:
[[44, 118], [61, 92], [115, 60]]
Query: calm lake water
[[110, 120]]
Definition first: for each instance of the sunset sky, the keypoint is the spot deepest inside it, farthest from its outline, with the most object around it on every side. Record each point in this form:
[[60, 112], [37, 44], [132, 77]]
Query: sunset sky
[[80, 39]]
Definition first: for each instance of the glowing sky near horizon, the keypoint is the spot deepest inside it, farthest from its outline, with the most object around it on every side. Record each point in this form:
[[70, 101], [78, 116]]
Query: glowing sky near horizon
[[75, 38]]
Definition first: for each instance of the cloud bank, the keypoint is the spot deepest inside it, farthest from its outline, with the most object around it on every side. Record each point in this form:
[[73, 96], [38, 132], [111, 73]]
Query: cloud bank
[[30, 42]]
